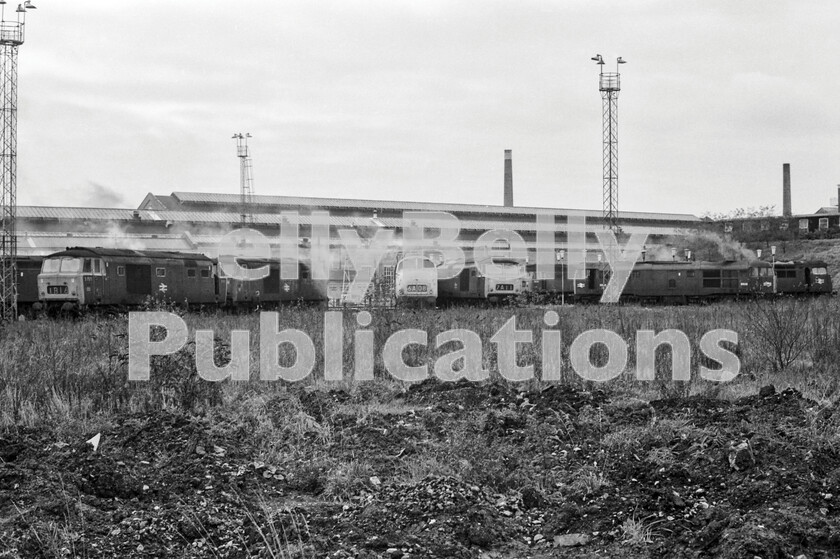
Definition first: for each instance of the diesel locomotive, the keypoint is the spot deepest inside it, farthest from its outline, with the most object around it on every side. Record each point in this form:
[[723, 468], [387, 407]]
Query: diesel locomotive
[[92, 277]]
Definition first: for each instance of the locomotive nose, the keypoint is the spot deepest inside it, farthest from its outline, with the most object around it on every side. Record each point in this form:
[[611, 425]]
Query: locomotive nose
[[59, 288]]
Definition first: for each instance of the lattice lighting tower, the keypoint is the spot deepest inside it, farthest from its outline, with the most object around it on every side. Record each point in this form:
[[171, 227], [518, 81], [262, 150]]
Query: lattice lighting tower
[[609, 85], [246, 179], [11, 37]]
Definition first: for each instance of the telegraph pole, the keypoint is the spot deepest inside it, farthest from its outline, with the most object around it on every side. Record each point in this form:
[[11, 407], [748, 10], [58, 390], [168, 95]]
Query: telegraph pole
[[11, 37]]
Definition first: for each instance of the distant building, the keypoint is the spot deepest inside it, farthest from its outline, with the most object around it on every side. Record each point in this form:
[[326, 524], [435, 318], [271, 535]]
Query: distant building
[[194, 222]]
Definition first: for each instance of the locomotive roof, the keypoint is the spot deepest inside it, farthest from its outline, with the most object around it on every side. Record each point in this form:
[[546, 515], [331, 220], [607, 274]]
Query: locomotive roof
[[705, 264], [84, 252], [812, 263]]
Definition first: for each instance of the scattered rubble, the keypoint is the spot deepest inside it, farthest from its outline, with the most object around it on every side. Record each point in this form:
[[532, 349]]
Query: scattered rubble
[[444, 470]]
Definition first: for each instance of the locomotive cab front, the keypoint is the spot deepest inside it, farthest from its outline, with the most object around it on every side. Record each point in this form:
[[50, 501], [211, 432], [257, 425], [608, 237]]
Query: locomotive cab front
[[817, 278], [416, 279], [511, 280], [71, 280]]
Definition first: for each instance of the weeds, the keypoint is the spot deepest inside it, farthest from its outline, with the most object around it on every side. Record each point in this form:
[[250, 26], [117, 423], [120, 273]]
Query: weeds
[[780, 330], [638, 532], [53, 371], [348, 479]]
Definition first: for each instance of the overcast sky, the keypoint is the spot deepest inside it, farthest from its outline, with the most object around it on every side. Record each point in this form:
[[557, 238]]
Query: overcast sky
[[417, 100]]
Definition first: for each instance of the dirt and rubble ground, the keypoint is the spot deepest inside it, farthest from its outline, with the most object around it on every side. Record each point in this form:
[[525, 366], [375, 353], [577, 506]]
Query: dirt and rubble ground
[[435, 470]]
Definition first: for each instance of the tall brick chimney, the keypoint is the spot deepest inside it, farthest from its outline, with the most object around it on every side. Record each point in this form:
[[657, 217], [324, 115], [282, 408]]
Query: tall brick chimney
[[508, 179], [786, 190]]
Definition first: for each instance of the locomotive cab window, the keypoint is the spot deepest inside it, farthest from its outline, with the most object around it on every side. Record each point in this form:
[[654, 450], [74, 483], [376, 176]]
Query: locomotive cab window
[[819, 271], [191, 273], [205, 273], [88, 266], [62, 266], [160, 272]]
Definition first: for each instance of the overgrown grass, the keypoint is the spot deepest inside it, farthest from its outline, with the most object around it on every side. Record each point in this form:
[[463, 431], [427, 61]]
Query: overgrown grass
[[75, 372]]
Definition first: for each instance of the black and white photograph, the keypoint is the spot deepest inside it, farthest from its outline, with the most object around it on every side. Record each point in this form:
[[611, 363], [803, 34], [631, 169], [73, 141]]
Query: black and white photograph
[[398, 279]]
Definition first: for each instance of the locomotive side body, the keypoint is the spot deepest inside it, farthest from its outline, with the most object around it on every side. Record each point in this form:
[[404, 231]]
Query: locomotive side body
[[28, 268], [803, 277], [677, 282], [95, 277], [684, 282], [272, 290], [587, 287]]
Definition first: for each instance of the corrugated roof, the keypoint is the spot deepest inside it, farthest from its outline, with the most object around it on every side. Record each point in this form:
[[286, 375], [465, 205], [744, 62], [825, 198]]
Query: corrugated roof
[[216, 218], [327, 203], [46, 243]]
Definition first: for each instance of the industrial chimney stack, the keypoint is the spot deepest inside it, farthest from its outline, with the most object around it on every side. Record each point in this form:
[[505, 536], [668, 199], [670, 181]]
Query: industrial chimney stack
[[508, 179], [786, 190]]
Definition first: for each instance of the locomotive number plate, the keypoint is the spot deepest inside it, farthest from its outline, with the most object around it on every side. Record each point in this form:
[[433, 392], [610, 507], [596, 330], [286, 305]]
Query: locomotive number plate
[[56, 289], [504, 287], [416, 288]]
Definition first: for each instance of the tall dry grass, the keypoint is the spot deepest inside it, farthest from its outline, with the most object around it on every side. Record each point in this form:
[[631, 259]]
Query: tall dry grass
[[76, 371]]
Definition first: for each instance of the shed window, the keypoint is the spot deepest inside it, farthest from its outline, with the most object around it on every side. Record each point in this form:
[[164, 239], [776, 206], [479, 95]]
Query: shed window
[[803, 224], [120, 270], [823, 223]]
